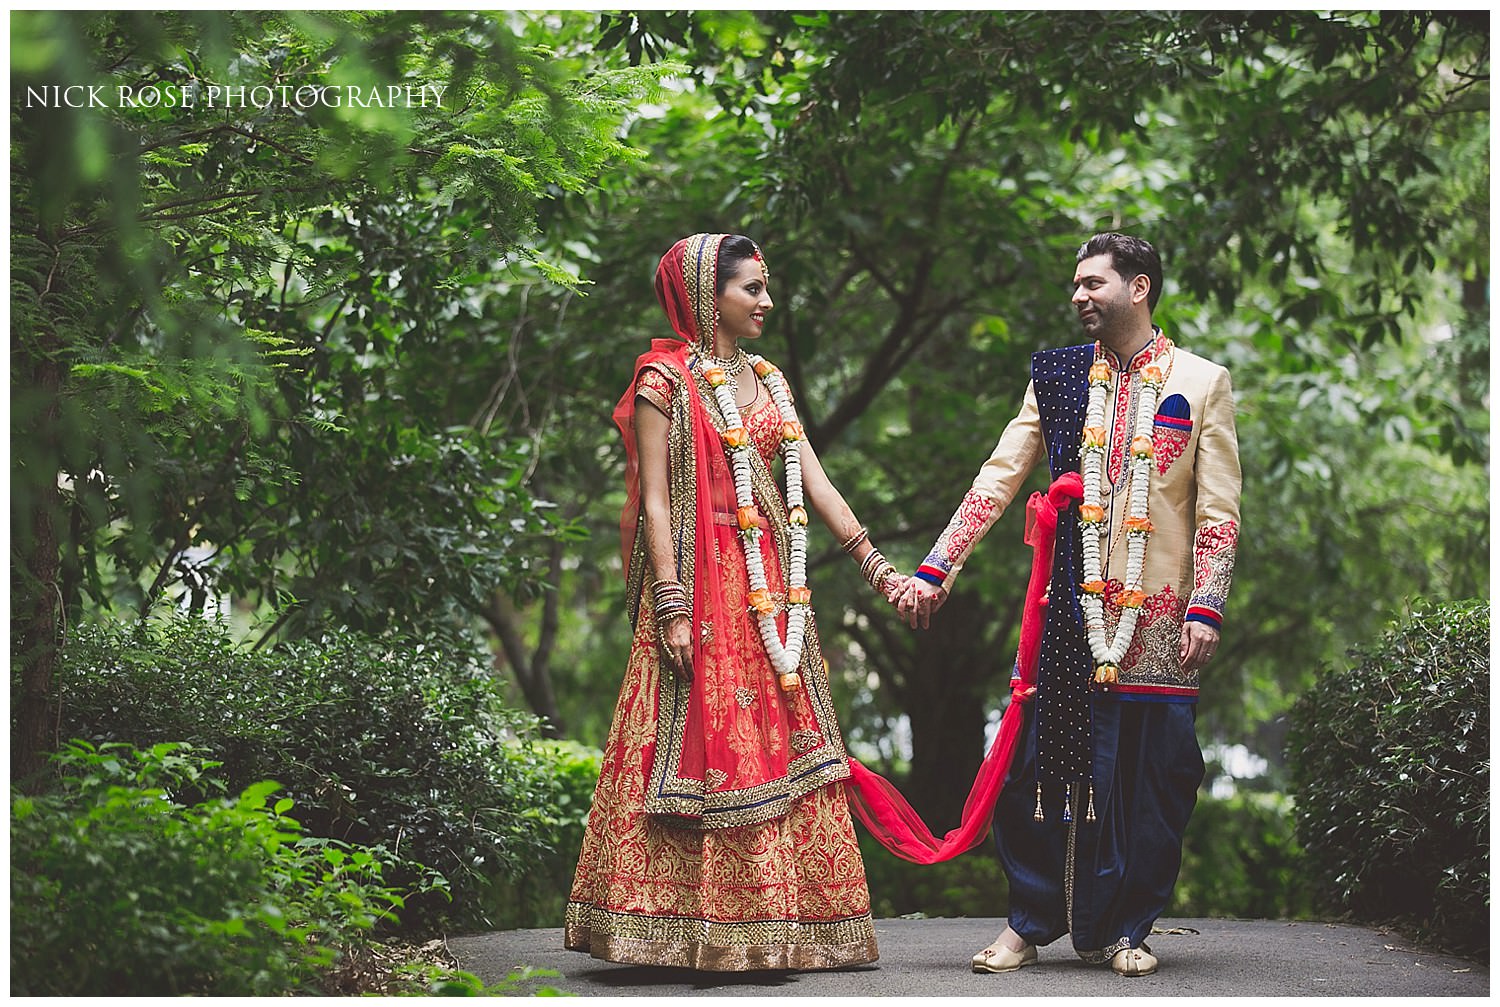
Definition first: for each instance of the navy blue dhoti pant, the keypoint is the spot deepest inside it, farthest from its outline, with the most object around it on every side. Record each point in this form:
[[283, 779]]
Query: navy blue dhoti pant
[[1106, 881]]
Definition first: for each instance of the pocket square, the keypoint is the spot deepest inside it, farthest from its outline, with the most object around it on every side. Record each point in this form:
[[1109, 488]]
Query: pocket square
[[1173, 427]]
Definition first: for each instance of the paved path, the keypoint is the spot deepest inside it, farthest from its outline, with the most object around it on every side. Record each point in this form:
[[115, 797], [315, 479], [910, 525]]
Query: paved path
[[931, 958]]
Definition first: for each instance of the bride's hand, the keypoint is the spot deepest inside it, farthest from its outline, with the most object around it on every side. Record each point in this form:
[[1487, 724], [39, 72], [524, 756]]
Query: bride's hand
[[918, 600], [894, 585], [677, 646]]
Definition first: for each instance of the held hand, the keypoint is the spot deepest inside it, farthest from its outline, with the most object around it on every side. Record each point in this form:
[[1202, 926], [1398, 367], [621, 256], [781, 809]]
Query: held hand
[[918, 600], [893, 587], [677, 646], [1199, 641]]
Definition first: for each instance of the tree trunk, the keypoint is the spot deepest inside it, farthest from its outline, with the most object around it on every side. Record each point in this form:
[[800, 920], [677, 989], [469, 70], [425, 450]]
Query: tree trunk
[[534, 671], [38, 596], [957, 661]]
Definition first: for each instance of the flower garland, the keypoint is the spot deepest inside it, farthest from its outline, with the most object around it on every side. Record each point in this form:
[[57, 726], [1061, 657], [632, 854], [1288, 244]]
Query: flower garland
[[1108, 653], [784, 657]]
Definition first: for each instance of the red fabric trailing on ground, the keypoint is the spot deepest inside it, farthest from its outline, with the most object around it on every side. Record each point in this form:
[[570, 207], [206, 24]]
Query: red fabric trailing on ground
[[877, 803]]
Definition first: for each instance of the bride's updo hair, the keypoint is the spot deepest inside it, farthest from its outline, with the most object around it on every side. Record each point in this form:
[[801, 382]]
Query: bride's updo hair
[[733, 250]]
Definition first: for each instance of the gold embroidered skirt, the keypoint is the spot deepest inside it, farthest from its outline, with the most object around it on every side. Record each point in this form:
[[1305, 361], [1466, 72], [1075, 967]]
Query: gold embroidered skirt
[[785, 893]]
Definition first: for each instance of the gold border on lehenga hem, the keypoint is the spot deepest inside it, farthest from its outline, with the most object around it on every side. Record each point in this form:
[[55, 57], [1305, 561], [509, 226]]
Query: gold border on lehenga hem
[[690, 807], [716, 946]]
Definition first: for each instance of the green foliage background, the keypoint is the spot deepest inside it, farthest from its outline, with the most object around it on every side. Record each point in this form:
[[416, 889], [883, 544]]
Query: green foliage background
[[344, 370]]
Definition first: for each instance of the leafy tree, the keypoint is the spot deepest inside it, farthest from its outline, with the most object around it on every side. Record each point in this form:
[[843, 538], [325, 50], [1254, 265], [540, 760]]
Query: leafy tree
[[920, 181], [359, 394], [253, 343]]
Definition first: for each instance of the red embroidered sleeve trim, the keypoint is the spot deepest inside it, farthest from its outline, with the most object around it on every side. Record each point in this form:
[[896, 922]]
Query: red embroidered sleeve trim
[[967, 526], [1214, 548], [656, 388]]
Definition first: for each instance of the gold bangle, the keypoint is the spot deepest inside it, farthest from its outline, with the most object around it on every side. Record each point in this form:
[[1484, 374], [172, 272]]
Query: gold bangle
[[876, 569], [668, 590], [853, 541]]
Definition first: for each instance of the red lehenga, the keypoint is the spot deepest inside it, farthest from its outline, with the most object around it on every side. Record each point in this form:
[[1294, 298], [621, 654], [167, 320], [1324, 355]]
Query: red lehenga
[[720, 836]]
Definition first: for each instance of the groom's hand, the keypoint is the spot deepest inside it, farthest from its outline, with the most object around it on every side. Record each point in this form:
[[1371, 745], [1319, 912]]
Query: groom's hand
[[918, 600]]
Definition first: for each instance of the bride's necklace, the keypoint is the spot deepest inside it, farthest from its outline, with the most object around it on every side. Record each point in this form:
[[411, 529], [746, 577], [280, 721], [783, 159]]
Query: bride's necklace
[[784, 657], [1110, 651], [732, 366]]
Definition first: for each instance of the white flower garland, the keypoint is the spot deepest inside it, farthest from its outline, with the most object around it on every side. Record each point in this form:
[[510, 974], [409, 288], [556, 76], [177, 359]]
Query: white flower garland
[[1108, 653], [784, 657]]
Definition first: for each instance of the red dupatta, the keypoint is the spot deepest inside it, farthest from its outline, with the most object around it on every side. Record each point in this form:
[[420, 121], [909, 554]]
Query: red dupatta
[[879, 805], [685, 287]]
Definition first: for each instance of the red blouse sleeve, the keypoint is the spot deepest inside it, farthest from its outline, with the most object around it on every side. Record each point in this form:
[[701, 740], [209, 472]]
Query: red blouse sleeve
[[656, 388]]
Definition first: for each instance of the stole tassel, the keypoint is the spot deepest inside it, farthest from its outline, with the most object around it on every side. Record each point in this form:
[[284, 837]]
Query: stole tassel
[[1068, 805], [1090, 816], [1037, 816]]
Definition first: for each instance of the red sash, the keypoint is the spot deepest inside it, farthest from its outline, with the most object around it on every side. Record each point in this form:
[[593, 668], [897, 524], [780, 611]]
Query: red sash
[[880, 806]]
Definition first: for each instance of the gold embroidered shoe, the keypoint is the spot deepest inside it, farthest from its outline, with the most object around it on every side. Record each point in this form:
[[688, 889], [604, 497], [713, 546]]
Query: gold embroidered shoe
[[999, 958], [1133, 961]]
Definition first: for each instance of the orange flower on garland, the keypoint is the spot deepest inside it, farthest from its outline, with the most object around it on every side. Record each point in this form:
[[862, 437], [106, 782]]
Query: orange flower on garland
[[799, 596], [791, 431], [715, 376], [797, 515], [1139, 526], [736, 437], [761, 602], [1151, 374], [1141, 447], [1094, 437], [748, 517], [1099, 372], [1090, 513], [765, 368], [1094, 586], [1131, 599]]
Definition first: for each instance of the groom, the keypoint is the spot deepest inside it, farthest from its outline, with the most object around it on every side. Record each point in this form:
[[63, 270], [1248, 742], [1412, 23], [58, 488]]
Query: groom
[[1089, 824]]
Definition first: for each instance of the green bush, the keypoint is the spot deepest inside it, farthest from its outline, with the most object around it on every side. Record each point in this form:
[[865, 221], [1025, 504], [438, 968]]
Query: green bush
[[538, 897], [117, 887], [381, 743], [1391, 776]]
